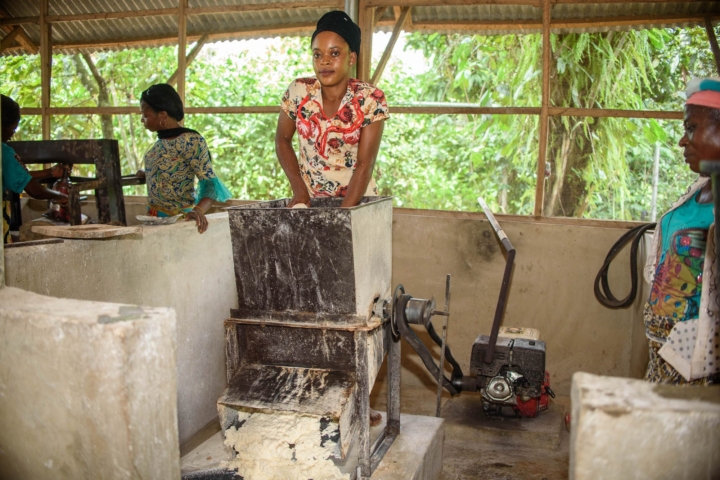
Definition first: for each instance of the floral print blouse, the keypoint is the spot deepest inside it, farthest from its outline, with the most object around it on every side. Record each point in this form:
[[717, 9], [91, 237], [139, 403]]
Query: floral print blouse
[[329, 146], [171, 166]]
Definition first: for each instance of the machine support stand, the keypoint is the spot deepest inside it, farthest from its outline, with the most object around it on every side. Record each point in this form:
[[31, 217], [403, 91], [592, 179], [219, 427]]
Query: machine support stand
[[393, 394], [446, 319], [363, 404]]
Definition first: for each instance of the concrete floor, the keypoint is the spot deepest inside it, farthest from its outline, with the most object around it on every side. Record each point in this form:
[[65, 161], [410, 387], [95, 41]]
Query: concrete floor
[[524, 449]]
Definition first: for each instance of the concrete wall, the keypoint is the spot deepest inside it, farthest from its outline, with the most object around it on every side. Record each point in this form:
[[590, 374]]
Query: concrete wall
[[166, 266], [552, 290]]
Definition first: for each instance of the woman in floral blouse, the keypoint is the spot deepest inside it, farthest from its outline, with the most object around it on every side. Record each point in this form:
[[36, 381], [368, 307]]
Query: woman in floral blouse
[[339, 121], [173, 162]]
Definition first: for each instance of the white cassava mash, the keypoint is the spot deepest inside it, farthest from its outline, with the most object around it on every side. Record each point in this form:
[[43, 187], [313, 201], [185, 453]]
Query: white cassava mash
[[283, 447]]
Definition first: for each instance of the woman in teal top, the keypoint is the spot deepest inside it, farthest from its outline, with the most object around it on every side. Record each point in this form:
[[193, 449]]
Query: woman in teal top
[[173, 162]]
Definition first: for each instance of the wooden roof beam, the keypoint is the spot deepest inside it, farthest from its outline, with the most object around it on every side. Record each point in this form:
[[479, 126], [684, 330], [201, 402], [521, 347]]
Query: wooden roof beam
[[10, 38], [155, 40], [190, 57], [22, 38], [557, 24], [391, 45]]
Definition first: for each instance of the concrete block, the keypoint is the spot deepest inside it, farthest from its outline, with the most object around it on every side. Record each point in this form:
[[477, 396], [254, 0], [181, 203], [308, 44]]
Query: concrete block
[[631, 429], [87, 390]]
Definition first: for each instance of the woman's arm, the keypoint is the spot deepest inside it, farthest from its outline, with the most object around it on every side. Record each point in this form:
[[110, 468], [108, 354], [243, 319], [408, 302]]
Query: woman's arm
[[368, 148], [198, 214], [36, 190], [56, 171], [288, 159]]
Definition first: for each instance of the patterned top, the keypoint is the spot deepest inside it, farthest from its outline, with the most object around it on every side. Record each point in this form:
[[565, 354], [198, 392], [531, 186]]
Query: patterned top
[[677, 285], [329, 147], [171, 166]]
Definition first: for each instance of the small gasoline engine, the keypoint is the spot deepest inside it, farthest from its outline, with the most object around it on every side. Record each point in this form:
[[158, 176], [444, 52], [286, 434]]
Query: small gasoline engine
[[508, 365]]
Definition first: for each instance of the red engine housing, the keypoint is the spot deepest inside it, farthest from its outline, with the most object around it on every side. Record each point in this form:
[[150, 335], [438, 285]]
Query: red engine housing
[[535, 405]]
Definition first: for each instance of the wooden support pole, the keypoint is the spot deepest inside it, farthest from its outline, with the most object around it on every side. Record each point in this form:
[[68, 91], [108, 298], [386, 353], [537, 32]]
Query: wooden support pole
[[366, 23], [391, 45], [10, 38], [544, 117], [45, 68], [189, 59], [182, 46], [713, 42]]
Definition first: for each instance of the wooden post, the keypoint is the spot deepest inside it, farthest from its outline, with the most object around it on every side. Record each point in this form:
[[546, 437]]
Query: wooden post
[[713, 42], [391, 44], [366, 23], [45, 67], [182, 41], [544, 117]]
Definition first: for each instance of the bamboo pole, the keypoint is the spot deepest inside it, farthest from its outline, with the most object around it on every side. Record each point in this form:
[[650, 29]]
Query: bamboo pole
[[713, 43], [191, 56], [391, 45], [544, 114], [366, 23], [45, 68], [182, 47]]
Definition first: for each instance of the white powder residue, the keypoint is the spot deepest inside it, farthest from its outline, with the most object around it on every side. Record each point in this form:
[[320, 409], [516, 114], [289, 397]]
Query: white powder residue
[[283, 447]]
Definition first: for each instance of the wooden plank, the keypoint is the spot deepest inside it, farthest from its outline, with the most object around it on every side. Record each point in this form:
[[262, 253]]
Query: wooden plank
[[189, 59], [10, 38], [45, 68], [365, 22], [25, 42], [419, 109], [86, 231], [557, 24], [304, 28], [154, 12], [713, 43], [255, 7], [391, 45], [544, 117]]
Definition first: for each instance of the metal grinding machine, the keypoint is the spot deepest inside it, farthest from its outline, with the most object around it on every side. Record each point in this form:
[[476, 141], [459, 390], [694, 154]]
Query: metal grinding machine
[[316, 318], [508, 365]]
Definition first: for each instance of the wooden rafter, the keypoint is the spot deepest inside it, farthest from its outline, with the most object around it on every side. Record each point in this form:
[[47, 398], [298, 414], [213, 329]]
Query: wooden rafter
[[10, 38], [155, 40], [445, 109], [182, 46], [391, 45], [22, 39], [190, 57], [366, 21]]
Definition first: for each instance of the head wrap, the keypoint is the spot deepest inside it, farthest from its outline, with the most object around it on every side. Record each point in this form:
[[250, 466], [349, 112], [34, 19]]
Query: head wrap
[[10, 111], [163, 98], [339, 22], [704, 92]]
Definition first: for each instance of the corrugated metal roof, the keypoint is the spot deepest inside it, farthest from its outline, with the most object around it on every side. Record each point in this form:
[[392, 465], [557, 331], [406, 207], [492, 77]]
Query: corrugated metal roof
[[278, 18]]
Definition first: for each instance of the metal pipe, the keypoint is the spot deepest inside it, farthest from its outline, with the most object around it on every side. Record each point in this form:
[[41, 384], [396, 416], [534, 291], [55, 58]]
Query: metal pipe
[[446, 318], [502, 298]]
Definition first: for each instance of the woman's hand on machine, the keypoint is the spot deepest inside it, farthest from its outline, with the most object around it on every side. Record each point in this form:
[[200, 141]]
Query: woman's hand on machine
[[302, 197], [199, 216]]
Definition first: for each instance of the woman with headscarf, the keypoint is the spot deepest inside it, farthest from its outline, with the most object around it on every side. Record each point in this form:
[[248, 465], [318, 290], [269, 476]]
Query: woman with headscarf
[[15, 177], [682, 314], [173, 162], [339, 120]]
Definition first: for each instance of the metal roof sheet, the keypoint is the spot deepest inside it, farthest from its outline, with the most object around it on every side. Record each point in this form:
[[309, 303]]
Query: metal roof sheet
[[279, 18]]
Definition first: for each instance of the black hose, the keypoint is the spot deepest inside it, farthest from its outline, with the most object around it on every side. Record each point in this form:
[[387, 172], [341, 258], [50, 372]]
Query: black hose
[[602, 287]]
